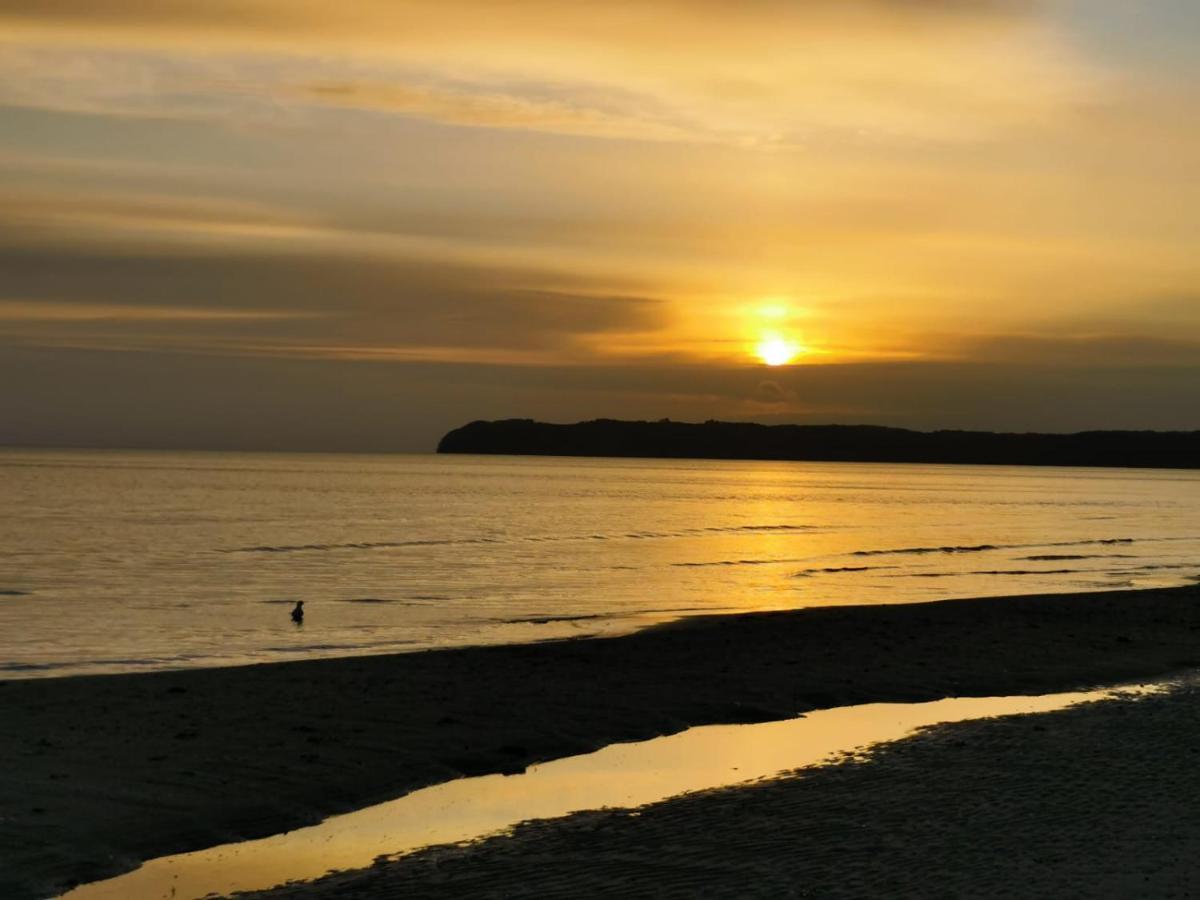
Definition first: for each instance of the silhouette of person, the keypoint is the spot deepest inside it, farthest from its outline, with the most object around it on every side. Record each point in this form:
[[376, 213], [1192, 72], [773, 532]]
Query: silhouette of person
[[298, 613]]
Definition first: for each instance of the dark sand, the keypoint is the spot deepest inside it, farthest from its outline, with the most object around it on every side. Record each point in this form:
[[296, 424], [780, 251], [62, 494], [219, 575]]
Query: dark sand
[[1095, 801], [102, 772]]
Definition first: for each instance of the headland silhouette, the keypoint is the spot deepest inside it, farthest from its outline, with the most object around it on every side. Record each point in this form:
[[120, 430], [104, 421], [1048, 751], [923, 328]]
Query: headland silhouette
[[832, 443]]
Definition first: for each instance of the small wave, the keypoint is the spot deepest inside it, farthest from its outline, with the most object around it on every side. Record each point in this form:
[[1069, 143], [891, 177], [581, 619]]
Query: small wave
[[1050, 557], [982, 548], [545, 620], [1056, 557], [1156, 566], [92, 664], [32, 667], [734, 562], [978, 548], [987, 572], [12, 592], [369, 600], [712, 529], [804, 573], [360, 545], [304, 648], [1029, 572], [672, 609], [536, 539], [731, 528]]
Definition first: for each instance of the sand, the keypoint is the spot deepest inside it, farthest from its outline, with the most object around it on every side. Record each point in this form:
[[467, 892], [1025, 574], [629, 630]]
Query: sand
[[102, 772], [1098, 801]]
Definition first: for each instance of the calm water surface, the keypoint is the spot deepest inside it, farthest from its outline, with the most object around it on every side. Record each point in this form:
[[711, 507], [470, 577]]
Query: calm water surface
[[122, 561], [622, 776]]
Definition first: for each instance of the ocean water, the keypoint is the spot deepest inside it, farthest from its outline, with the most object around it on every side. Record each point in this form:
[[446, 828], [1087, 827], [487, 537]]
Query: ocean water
[[115, 561]]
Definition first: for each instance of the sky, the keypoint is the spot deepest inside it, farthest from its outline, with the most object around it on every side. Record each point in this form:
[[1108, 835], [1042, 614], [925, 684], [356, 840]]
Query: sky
[[296, 224]]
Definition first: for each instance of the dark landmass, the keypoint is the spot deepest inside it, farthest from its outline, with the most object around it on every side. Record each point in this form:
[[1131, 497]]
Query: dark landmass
[[102, 772], [830, 443]]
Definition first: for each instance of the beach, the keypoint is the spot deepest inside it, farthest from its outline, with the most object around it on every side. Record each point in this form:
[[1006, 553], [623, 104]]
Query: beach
[[626, 449], [107, 771], [1093, 801]]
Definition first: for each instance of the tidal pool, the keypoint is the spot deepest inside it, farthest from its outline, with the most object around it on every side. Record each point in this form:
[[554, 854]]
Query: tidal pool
[[619, 775]]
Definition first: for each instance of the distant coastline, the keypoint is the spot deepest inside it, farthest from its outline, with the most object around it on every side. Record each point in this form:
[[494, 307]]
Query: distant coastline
[[828, 443]]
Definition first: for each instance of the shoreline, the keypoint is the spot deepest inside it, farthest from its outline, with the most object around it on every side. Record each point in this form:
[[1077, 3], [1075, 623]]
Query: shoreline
[[108, 770]]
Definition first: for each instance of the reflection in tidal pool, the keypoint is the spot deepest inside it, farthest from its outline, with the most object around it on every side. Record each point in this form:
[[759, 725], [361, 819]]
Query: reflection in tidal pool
[[620, 775]]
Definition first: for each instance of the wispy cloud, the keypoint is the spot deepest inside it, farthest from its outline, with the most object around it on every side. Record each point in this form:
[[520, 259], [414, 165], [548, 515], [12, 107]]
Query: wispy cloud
[[1085, 349], [43, 312], [756, 74], [487, 106], [104, 214], [276, 304], [413, 21]]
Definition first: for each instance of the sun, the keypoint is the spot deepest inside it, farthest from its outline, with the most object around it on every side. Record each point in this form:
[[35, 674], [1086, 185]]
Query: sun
[[777, 351]]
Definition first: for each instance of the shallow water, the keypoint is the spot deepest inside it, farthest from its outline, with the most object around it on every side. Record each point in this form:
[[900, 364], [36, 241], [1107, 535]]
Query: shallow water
[[124, 561], [620, 775]]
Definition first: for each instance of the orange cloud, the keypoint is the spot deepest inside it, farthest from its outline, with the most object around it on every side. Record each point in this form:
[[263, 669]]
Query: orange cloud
[[758, 73]]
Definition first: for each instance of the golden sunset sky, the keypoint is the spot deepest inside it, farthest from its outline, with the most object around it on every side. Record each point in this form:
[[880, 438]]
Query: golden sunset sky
[[303, 224]]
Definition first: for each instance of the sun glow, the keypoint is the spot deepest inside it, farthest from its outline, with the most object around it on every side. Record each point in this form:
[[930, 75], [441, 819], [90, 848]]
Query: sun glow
[[777, 351]]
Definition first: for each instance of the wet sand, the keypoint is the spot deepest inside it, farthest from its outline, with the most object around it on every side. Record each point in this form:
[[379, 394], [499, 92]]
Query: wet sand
[[103, 772], [1097, 801]]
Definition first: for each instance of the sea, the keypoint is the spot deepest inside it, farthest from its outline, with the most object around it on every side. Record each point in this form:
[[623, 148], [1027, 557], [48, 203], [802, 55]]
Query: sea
[[126, 561]]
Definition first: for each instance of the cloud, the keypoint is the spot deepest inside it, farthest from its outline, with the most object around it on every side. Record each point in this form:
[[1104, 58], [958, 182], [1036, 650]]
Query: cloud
[[413, 20], [486, 106], [1077, 350], [97, 213], [767, 73], [284, 304], [770, 392], [54, 312]]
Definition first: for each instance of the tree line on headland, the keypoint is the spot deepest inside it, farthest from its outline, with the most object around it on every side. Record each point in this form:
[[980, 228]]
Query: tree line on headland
[[833, 443]]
